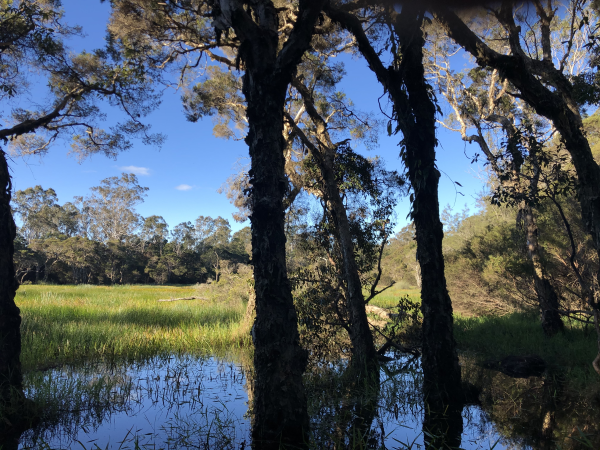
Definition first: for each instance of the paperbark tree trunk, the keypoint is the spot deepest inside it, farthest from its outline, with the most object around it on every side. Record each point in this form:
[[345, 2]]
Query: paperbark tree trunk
[[11, 389], [280, 412], [547, 298], [441, 372], [415, 116], [279, 407]]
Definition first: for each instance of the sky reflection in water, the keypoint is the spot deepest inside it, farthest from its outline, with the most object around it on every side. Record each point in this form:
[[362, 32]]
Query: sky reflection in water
[[185, 402]]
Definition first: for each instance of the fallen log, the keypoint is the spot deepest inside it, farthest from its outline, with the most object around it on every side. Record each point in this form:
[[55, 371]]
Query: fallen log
[[181, 298], [383, 313]]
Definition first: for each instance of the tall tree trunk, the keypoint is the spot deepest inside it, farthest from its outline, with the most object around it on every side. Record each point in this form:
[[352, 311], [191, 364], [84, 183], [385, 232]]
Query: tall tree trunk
[[415, 117], [280, 410], [547, 298], [11, 388], [364, 355], [441, 372]]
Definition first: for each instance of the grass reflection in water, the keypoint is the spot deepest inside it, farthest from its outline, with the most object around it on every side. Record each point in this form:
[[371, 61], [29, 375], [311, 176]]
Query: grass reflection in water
[[185, 402]]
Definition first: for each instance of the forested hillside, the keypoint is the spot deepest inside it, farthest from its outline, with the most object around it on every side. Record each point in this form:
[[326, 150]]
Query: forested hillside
[[488, 267]]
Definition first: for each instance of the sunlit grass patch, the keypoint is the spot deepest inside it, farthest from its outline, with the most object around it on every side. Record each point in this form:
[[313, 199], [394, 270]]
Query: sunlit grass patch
[[389, 298], [495, 337], [71, 323]]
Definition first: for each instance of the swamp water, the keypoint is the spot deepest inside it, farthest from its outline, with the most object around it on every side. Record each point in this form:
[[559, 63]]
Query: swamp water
[[185, 402]]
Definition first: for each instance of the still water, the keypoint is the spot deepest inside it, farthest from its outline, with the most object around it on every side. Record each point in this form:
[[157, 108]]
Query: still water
[[185, 402]]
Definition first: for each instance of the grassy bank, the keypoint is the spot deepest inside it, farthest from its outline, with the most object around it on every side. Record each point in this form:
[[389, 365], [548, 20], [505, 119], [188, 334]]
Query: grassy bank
[[389, 297], [494, 337], [71, 323], [520, 333]]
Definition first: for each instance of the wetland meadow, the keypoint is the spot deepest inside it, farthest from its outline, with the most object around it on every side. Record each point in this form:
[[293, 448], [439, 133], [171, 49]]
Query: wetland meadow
[[114, 368]]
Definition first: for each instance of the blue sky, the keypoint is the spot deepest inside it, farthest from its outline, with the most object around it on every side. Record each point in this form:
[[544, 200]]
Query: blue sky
[[186, 173]]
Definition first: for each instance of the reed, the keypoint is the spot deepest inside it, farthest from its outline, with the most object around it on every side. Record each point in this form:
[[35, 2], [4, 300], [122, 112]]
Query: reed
[[69, 324]]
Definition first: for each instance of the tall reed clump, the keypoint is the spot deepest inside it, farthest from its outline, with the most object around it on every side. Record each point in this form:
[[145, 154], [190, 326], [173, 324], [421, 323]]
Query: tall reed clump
[[66, 324]]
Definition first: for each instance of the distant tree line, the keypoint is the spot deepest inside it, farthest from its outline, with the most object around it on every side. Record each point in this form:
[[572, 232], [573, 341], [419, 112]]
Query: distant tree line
[[100, 239]]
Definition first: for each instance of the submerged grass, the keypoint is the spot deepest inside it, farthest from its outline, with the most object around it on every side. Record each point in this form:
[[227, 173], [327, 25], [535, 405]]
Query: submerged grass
[[66, 324]]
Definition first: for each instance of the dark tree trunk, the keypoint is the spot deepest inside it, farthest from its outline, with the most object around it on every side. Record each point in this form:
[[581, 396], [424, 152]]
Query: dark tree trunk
[[11, 388], [280, 410], [441, 372], [280, 414], [415, 117], [547, 298]]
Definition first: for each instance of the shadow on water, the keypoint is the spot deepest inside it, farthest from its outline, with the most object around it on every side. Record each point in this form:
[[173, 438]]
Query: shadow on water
[[186, 402]]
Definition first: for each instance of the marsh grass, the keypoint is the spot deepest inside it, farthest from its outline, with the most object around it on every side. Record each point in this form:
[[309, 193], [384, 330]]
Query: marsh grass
[[569, 354], [67, 324], [389, 297]]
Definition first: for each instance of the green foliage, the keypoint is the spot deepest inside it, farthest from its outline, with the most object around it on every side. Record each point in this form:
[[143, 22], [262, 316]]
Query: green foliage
[[105, 241], [400, 258], [407, 322]]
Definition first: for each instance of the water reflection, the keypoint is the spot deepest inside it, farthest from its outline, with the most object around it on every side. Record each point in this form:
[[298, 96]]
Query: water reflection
[[185, 402], [442, 427], [170, 403]]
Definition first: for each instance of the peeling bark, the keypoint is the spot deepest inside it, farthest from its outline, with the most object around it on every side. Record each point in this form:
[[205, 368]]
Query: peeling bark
[[279, 401], [279, 406], [415, 117]]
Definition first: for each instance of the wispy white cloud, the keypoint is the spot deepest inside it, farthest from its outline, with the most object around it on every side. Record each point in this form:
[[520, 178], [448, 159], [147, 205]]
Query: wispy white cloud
[[142, 171], [183, 187]]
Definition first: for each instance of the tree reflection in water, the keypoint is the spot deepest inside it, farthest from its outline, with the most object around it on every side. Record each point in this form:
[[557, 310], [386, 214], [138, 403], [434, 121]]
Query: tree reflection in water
[[442, 426], [342, 408], [192, 402]]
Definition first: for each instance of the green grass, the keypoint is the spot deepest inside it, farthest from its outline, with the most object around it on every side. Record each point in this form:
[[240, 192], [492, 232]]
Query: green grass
[[494, 337], [389, 298], [66, 324]]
